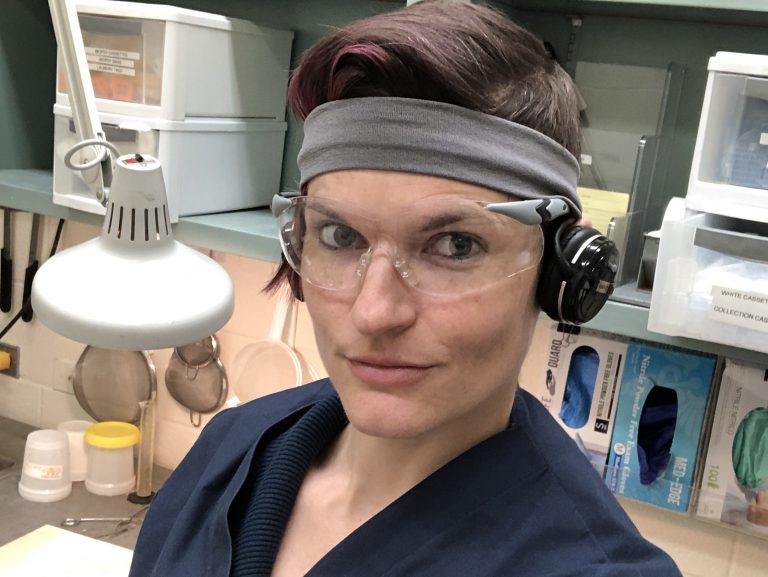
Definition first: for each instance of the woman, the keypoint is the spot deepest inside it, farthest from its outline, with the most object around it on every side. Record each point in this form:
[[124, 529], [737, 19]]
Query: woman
[[437, 167]]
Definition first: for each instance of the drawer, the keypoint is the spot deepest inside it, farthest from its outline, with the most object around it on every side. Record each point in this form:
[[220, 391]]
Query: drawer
[[711, 279], [729, 173], [173, 63]]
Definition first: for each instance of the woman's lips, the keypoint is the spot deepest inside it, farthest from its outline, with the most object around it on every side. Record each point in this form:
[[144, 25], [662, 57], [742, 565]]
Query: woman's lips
[[387, 373]]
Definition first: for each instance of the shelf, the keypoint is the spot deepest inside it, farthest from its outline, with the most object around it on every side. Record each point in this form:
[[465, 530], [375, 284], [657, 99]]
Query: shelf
[[632, 321], [744, 12], [249, 233], [720, 5], [252, 233], [748, 5]]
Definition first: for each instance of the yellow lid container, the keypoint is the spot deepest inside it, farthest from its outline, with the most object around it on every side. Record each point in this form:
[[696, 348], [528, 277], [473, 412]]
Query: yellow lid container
[[112, 435]]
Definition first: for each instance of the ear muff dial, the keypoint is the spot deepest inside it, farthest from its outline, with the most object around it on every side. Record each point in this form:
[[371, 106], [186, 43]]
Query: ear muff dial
[[578, 273]]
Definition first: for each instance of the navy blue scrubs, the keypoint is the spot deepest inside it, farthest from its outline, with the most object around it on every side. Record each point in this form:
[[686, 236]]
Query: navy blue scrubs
[[524, 502]]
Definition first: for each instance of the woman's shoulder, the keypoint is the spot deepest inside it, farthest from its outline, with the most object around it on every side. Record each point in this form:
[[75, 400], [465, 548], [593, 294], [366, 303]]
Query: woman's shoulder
[[580, 500], [232, 433], [269, 409], [188, 517]]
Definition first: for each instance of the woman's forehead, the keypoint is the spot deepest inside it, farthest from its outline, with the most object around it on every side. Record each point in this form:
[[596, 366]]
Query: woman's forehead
[[382, 187]]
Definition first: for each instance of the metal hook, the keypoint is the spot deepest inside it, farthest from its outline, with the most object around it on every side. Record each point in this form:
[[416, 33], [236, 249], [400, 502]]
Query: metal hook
[[569, 334], [195, 369]]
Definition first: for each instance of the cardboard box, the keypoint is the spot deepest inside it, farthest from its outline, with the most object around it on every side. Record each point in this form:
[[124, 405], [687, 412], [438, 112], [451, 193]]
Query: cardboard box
[[743, 392], [576, 373], [662, 405]]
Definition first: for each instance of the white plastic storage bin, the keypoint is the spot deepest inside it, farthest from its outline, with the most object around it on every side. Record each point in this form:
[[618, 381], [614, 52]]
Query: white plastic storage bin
[[729, 173], [711, 280], [209, 165], [172, 63]]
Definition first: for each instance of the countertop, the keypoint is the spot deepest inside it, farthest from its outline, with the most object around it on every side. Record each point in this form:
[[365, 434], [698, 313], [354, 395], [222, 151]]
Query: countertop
[[19, 516]]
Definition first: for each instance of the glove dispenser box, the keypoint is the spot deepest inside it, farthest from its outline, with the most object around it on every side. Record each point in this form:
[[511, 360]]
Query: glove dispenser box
[[729, 173], [711, 281], [172, 63], [576, 374], [734, 487], [663, 405]]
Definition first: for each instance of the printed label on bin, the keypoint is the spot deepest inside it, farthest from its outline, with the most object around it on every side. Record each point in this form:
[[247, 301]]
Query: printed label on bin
[[121, 62], [745, 309], [94, 67], [47, 472], [111, 53], [108, 61]]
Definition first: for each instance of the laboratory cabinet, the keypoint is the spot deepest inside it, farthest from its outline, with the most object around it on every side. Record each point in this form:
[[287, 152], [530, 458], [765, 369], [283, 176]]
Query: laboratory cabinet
[[647, 34]]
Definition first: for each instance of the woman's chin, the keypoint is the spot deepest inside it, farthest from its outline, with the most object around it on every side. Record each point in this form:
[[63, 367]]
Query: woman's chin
[[389, 418]]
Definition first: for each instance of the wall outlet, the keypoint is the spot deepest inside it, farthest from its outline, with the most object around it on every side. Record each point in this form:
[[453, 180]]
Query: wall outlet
[[15, 353]]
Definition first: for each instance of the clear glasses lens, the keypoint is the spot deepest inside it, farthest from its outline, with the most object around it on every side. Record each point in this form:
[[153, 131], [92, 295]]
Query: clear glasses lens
[[440, 246]]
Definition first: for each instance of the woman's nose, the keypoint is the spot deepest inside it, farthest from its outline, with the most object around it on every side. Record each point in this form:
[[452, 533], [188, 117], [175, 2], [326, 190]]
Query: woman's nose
[[385, 301]]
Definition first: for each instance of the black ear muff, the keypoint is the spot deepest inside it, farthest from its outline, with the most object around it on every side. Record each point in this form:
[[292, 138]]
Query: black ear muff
[[577, 275]]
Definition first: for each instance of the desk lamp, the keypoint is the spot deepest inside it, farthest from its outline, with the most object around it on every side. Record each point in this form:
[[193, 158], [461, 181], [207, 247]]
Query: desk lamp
[[134, 287]]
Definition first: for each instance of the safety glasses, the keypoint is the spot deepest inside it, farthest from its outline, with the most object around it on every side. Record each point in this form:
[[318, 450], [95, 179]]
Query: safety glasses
[[441, 246]]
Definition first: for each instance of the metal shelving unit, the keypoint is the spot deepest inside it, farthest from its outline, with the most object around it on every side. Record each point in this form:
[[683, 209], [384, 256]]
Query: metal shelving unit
[[252, 233], [249, 233]]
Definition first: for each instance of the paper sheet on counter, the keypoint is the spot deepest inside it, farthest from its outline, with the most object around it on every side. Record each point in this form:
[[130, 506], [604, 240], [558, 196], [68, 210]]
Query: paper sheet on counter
[[51, 551], [600, 205]]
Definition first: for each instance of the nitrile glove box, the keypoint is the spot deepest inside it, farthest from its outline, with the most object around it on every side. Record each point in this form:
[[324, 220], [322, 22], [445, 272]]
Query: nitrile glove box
[[738, 441], [576, 373], [662, 405]]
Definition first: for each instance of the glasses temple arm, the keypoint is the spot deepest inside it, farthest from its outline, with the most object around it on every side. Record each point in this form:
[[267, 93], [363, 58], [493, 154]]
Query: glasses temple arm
[[535, 211], [281, 201]]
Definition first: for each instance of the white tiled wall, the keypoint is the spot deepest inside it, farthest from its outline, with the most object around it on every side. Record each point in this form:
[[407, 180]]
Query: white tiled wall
[[43, 397]]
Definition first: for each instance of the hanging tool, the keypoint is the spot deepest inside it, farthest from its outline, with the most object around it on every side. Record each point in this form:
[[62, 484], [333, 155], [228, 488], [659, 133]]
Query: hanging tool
[[29, 274], [6, 262], [73, 522]]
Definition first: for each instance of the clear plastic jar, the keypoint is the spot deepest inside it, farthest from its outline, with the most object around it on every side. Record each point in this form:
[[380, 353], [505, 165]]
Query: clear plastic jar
[[110, 468], [45, 472]]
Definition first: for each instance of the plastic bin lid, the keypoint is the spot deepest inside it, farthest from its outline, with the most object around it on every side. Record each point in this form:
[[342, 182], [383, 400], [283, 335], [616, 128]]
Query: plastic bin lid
[[173, 14], [189, 124], [112, 435], [736, 62]]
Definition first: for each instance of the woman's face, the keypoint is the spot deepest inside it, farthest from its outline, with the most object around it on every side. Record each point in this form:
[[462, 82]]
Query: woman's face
[[404, 362]]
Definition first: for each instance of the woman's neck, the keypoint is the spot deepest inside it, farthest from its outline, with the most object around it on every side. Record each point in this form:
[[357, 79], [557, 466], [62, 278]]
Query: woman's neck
[[371, 472]]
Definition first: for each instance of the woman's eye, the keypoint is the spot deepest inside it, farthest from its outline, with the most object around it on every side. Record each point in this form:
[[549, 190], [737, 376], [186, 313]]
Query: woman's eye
[[339, 236], [456, 246]]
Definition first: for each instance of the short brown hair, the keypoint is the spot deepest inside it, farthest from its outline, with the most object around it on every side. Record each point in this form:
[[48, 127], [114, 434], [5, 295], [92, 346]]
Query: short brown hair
[[448, 51]]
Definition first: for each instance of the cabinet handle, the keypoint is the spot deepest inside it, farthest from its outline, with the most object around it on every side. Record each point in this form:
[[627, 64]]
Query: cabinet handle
[[735, 244]]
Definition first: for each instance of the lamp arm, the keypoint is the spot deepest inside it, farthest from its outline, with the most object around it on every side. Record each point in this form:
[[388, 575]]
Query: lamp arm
[[82, 98]]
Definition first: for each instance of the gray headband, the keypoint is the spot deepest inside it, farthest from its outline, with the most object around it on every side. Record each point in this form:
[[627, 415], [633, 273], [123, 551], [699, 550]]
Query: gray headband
[[438, 139]]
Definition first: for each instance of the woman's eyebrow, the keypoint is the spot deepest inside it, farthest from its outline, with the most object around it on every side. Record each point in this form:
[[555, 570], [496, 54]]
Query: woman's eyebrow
[[441, 220], [328, 211]]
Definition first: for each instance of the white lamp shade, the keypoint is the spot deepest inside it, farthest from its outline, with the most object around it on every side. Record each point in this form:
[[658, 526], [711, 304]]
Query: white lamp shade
[[121, 292], [93, 294]]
